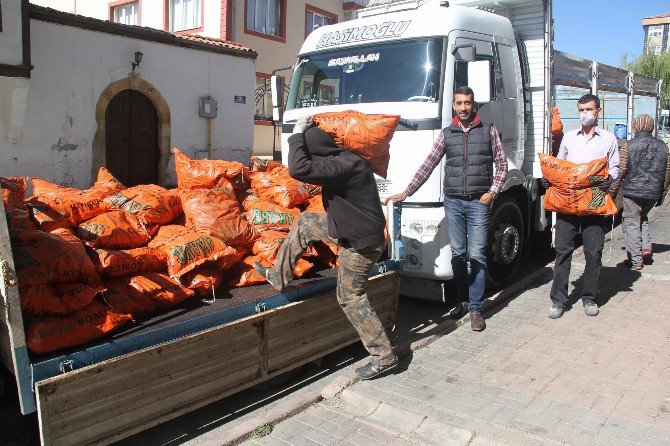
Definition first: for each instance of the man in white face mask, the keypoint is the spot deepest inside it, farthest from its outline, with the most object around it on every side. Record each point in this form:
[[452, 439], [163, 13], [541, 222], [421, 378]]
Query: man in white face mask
[[583, 145]]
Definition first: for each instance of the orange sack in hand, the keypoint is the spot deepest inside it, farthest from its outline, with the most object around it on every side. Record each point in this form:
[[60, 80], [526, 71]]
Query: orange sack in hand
[[368, 136], [56, 299], [42, 257], [54, 333], [574, 187]]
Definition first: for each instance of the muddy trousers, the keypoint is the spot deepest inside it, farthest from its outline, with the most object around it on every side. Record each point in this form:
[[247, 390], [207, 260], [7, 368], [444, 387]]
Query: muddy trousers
[[352, 276]]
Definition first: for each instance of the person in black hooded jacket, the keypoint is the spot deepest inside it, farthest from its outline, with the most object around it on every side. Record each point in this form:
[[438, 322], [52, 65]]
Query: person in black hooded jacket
[[354, 220]]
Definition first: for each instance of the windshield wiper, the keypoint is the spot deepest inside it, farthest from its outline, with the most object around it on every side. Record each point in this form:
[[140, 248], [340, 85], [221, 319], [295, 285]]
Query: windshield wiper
[[407, 124]]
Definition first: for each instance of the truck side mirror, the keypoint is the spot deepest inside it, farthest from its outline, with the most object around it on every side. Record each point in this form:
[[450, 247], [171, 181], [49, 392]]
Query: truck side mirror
[[479, 79], [277, 90]]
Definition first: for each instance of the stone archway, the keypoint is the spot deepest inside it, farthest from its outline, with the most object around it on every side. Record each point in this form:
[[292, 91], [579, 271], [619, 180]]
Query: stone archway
[[132, 82]]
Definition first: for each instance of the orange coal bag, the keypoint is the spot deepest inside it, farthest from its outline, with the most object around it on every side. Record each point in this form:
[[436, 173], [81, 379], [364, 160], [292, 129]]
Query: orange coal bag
[[125, 299], [214, 212], [210, 276], [46, 218], [42, 257], [316, 205], [186, 249], [151, 204], [74, 204], [245, 275], [115, 229], [556, 122], [206, 173], [106, 183], [160, 288], [266, 215], [117, 263], [56, 299], [54, 333], [266, 249], [280, 189], [368, 136], [13, 198], [574, 187]]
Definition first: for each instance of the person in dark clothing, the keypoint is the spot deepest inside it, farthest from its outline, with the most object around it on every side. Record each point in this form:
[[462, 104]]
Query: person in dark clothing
[[645, 177], [354, 220]]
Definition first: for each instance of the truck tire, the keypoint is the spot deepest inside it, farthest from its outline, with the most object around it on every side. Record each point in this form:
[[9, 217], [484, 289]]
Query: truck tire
[[506, 236]]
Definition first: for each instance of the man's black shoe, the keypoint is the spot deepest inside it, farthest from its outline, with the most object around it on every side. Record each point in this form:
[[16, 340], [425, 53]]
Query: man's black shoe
[[265, 272], [460, 310], [370, 370]]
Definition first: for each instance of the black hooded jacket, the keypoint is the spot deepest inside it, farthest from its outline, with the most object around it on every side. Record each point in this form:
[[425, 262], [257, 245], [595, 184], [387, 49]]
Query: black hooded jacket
[[350, 196]]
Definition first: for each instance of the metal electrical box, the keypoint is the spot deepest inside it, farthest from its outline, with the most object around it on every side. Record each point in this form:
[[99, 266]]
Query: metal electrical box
[[208, 107]]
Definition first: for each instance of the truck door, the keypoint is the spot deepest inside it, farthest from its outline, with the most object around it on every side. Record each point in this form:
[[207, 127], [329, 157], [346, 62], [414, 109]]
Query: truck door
[[490, 109], [507, 90]]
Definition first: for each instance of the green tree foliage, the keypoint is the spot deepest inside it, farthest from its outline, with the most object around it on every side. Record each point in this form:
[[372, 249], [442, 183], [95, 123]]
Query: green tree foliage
[[654, 66]]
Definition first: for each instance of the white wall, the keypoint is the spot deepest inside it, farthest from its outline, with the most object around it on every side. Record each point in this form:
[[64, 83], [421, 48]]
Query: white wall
[[11, 49], [73, 66]]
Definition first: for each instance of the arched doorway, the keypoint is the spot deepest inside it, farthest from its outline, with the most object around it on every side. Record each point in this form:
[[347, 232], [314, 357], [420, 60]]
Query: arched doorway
[[131, 138]]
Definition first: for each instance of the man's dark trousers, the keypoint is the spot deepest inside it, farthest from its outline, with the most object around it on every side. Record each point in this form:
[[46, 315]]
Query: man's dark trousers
[[592, 228]]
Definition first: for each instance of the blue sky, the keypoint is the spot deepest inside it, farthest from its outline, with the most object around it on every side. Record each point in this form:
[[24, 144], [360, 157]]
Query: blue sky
[[603, 30]]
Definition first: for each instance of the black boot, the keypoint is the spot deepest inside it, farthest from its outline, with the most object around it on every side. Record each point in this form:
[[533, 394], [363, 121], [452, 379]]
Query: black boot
[[370, 370]]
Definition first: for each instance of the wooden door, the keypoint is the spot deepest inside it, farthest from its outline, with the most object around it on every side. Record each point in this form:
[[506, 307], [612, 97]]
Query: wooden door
[[131, 128]]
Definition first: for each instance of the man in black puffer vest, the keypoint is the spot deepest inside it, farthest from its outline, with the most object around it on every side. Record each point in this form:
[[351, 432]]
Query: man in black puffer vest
[[471, 149], [645, 178], [354, 220]]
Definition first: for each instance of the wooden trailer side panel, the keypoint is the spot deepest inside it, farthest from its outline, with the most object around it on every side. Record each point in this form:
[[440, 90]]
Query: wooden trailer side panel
[[112, 400], [321, 327]]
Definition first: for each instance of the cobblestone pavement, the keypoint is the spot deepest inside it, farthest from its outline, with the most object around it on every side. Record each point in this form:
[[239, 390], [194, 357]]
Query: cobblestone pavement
[[526, 379]]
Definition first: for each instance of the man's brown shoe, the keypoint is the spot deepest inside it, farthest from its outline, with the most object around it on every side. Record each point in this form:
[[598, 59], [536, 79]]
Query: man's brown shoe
[[477, 322]]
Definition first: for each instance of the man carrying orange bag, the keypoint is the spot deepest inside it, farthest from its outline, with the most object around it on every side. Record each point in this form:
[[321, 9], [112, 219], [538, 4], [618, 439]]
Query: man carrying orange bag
[[583, 145], [354, 220]]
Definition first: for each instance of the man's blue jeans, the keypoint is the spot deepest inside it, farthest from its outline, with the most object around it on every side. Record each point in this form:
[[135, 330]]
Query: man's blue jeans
[[468, 227]]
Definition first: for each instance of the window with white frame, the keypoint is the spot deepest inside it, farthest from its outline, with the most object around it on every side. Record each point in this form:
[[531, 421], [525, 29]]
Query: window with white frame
[[313, 20], [264, 16], [185, 14], [655, 31], [128, 14]]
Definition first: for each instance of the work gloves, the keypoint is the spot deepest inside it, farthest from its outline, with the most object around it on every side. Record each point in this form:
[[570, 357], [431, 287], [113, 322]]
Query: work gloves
[[302, 124]]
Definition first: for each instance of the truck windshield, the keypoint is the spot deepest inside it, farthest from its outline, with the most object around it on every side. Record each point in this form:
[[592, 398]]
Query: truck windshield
[[391, 72]]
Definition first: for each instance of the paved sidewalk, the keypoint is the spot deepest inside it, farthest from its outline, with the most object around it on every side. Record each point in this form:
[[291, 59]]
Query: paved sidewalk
[[526, 379]]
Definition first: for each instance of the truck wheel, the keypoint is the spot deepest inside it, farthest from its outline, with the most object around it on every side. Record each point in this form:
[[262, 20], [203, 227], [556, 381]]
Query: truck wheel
[[506, 237]]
